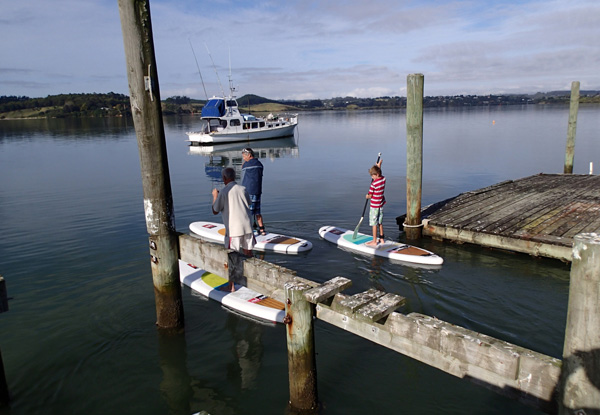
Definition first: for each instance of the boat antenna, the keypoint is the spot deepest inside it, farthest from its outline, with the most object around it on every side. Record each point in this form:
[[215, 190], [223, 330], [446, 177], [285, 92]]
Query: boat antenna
[[199, 73], [213, 62], [231, 87]]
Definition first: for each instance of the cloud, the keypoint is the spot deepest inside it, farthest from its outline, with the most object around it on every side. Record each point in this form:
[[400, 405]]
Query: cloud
[[302, 48]]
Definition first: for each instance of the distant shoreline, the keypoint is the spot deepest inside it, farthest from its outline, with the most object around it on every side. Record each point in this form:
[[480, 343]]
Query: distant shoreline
[[118, 105]]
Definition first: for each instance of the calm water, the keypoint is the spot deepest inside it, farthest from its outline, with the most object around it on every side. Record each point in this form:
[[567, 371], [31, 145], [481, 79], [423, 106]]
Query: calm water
[[80, 335]]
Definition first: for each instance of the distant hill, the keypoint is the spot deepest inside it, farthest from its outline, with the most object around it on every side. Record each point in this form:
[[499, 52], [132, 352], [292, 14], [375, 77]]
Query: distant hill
[[118, 105]]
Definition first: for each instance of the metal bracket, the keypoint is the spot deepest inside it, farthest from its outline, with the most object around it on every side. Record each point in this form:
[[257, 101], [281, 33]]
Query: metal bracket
[[148, 83]]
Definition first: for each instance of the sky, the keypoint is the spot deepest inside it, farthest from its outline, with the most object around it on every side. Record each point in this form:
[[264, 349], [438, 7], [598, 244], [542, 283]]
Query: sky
[[301, 49]]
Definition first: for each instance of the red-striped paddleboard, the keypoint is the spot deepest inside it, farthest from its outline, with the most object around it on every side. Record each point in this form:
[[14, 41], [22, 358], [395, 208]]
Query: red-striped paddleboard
[[389, 249]]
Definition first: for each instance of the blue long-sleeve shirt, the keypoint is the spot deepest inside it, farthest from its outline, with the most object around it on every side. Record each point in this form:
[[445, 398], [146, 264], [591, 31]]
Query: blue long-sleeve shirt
[[252, 173]]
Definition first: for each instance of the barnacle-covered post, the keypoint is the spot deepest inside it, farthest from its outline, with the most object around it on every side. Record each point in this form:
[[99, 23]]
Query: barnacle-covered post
[[414, 155], [580, 378], [301, 347], [142, 76], [4, 396], [573, 110]]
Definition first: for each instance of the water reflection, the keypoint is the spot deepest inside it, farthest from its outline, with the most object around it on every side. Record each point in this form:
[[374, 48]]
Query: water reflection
[[247, 350], [67, 129], [176, 386], [225, 155]]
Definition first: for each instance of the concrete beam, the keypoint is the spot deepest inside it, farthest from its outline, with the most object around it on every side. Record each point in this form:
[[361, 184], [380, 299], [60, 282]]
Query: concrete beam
[[510, 370], [531, 247]]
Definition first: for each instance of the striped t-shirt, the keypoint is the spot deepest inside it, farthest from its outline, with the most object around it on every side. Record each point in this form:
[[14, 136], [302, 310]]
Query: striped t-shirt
[[376, 190]]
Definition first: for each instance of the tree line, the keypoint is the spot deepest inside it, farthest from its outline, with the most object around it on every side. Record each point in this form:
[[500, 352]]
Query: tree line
[[66, 105], [118, 105]]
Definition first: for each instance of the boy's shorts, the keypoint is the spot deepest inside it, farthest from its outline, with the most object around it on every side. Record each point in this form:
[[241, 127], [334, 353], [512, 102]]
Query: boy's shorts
[[375, 216], [255, 204], [239, 243]]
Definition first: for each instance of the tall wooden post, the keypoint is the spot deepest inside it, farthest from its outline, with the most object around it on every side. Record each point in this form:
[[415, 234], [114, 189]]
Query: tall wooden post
[[414, 155], [4, 397], [3, 295], [142, 75], [580, 380], [301, 347], [573, 109]]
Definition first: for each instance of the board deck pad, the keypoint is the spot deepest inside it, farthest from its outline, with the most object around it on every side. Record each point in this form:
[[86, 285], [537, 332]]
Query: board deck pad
[[215, 232], [243, 300], [389, 249]]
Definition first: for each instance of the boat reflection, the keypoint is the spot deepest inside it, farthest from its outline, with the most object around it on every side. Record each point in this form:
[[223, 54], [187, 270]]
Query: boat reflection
[[230, 154]]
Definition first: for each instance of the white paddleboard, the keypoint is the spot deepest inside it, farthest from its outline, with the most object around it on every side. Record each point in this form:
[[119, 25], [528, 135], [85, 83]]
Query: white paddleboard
[[215, 232], [388, 249], [243, 300]]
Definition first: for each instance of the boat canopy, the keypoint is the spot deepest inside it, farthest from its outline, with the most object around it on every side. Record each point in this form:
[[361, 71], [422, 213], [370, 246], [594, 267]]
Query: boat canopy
[[215, 107]]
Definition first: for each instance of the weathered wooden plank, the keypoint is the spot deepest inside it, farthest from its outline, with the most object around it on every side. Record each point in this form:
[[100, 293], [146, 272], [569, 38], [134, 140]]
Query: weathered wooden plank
[[534, 214], [586, 218], [593, 227], [536, 196], [539, 205], [328, 289], [538, 210], [499, 197], [516, 244], [349, 304], [467, 213], [380, 307], [508, 369], [464, 200], [572, 215]]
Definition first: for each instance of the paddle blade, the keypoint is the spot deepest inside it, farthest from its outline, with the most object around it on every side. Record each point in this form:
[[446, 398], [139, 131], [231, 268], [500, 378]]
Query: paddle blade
[[356, 229]]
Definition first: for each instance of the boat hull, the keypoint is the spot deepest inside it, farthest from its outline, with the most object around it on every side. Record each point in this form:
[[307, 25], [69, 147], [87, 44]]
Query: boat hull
[[196, 138]]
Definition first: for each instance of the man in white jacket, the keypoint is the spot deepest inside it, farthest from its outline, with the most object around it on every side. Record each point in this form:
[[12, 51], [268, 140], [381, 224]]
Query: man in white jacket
[[234, 204]]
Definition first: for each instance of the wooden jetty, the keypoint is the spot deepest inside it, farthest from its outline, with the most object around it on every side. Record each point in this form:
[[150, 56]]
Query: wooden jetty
[[538, 215]]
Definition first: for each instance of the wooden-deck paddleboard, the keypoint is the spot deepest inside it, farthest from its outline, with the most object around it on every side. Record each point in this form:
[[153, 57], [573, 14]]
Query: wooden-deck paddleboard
[[243, 300], [388, 249], [215, 232]]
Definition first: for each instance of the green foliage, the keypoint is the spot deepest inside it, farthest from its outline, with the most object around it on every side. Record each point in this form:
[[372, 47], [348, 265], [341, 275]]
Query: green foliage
[[69, 105], [117, 105]]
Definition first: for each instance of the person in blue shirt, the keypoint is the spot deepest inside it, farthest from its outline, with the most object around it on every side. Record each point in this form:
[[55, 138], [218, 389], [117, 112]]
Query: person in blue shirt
[[252, 174]]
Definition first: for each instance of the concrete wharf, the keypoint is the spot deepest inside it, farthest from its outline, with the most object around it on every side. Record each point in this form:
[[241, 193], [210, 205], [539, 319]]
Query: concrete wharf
[[538, 215]]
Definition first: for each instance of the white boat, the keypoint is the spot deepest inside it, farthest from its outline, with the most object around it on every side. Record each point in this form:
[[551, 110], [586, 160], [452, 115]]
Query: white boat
[[222, 122]]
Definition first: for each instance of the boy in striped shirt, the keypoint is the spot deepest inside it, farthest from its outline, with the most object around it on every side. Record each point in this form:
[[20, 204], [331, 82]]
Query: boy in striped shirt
[[377, 201]]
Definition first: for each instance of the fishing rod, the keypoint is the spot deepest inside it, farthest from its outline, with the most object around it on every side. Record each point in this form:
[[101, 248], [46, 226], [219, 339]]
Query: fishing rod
[[213, 62], [199, 73]]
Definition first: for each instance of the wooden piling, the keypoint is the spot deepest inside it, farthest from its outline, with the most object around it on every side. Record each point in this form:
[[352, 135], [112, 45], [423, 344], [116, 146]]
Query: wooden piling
[[580, 378], [301, 347], [142, 76], [414, 155], [3, 295], [574, 108], [4, 398]]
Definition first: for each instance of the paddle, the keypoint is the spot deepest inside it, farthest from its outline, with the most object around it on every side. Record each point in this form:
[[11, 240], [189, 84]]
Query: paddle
[[364, 208]]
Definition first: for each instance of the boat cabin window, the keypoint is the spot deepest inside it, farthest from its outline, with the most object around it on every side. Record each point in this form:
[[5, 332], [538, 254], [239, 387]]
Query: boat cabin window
[[232, 103], [254, 125], [261, 124], [235, 123], [217, 124]]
